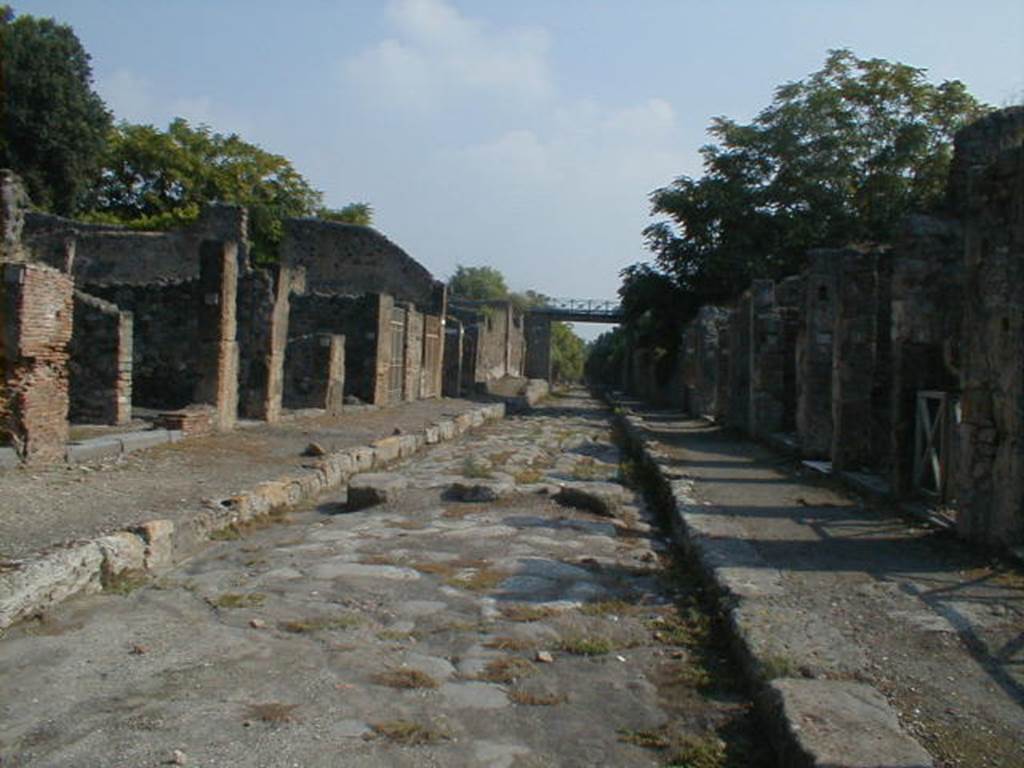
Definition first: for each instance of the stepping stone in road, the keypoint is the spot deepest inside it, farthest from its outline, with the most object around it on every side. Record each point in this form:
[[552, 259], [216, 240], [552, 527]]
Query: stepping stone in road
[[374, 488]]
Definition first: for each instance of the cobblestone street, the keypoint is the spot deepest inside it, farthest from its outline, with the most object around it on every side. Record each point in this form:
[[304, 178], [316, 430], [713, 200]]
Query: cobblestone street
[[502, 600]]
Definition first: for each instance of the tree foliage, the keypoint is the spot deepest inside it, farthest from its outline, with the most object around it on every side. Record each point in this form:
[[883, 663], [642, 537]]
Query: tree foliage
[[478, 284], [353, 213], [568, 353], [605, 357], [156, 179], [837, 158], [54, 125]]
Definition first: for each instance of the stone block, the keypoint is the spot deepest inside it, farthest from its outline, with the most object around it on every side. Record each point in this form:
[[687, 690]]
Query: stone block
[[90, 450], [386, 451], [431, 435], [599, 498], [122, 552], [446, 429], [137, 441], [8, 458], [833, 724], [158, 536], [375, 488], [36, 584]]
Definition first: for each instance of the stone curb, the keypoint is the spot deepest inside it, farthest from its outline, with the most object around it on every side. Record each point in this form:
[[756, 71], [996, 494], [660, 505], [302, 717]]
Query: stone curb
[[38, 582], [813, 723]]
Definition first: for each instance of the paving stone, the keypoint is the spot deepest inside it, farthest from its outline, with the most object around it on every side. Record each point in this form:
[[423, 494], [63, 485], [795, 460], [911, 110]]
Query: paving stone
[[478, 492], [370, 489], [834, 724], [599, 498], [474, 695], [339, 568]]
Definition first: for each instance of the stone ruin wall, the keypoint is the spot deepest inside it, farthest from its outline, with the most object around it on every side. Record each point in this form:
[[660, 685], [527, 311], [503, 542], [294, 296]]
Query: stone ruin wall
[[352, 260], [841, 352], [100, 365], [494, 343], [991, 438]]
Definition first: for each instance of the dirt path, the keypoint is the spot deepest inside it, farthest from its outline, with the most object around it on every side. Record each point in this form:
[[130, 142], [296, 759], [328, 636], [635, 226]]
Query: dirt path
[[515, 632], [867, 596]]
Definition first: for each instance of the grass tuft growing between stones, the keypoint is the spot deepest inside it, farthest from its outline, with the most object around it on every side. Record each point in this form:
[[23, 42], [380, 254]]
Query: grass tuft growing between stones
[[124, 583], [586, 645], [408, 733], [526, 613], [478, 580], [273, 712], [405, 678], [685, 750], [528, 476], [506, 670], [536, 699], [511, 644], [236, 600], [321, 624], [606, 608], [475, 470]]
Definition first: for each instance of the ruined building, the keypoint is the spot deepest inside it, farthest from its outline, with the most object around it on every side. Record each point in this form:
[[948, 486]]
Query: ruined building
[[103, 324], [900, 365]]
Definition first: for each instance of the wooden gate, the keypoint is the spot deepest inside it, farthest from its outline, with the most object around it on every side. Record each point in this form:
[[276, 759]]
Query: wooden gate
[[396, 369], [934, 443]]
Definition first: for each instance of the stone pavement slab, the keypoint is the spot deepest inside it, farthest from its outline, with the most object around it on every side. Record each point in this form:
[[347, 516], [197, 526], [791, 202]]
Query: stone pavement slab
[[420, 632], [823, 586]]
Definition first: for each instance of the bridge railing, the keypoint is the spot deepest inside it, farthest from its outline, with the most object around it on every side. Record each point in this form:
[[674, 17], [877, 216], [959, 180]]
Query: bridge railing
[[584, 306]]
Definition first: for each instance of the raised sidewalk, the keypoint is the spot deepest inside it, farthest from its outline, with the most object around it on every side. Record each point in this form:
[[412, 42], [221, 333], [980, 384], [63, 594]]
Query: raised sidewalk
[[73, 528], [872, 641]]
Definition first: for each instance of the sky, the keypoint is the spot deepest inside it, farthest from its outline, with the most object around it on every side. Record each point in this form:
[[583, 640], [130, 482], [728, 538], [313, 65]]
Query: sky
[[520, 134]]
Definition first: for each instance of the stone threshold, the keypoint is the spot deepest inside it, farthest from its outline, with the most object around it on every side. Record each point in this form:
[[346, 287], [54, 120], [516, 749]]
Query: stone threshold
[[812, 723], [36, 583]]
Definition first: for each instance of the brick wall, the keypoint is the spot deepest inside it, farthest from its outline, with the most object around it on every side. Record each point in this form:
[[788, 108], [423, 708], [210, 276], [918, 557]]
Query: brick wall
[[36, 313]]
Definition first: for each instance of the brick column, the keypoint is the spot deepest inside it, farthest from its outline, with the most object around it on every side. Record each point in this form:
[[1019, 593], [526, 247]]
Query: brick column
[[217, 348], [36, 312]]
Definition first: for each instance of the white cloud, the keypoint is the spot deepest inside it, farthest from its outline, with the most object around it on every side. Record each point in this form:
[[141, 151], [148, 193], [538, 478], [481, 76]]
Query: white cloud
[[136, 99], [440, 56]]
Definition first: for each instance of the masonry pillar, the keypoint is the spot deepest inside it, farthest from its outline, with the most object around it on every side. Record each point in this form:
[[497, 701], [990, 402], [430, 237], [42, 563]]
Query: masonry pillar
[[382, 361], [451, 384], [855, 359], [814, 355], [36, 311], [217, 350], [538, 347], [991, 487], [412, 356]]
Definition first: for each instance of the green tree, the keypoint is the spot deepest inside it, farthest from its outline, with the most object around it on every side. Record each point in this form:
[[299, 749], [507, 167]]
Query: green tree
[[353, 213], [837, 158], [155, 179], [568, 353], [478, 284], [54, 125], [604, 358]]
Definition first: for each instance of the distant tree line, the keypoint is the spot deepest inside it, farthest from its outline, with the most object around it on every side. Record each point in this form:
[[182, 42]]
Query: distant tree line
[[838, 158], [59, 136]]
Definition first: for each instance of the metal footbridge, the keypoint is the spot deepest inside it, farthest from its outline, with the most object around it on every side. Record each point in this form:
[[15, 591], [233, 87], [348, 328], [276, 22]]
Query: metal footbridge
[[580, 310]]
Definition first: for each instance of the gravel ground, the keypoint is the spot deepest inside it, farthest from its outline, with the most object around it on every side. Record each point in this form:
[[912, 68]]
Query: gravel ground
[[45, 507]]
